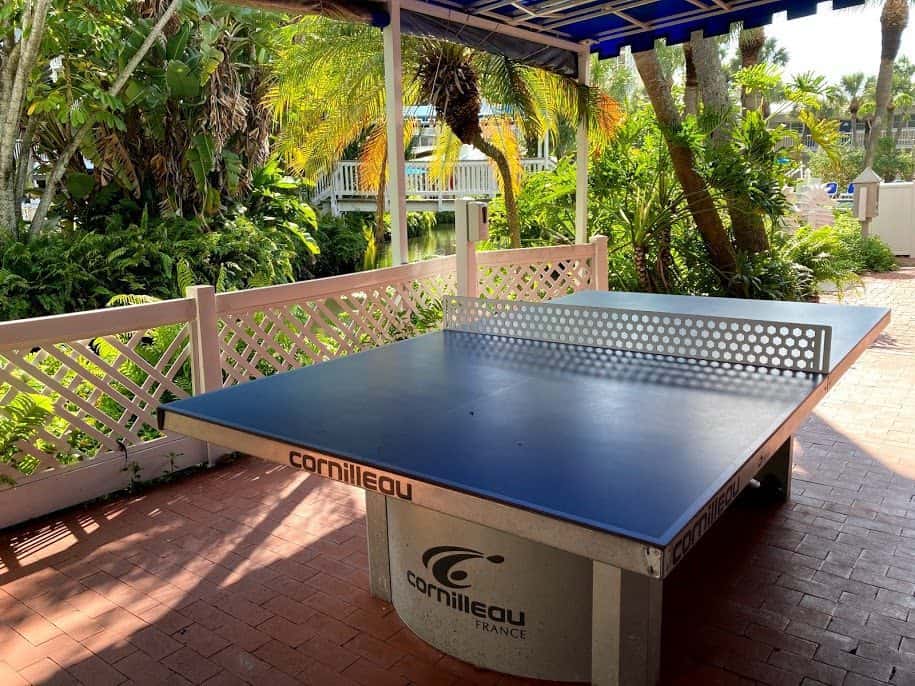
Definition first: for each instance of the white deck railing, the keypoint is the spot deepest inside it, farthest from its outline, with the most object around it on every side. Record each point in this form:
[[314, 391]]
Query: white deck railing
[[469, 177], [905, 140], [92, 380]]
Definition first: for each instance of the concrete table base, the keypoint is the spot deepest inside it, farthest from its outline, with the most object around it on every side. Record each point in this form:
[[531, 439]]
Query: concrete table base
[[513, 605]]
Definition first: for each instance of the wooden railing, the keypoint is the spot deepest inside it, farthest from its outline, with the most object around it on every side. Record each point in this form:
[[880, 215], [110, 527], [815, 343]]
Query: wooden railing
[[468, 177], [86, 385]]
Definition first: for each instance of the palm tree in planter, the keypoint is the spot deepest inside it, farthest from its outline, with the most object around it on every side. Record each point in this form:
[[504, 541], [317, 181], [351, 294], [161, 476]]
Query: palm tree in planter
[[853, 85], [322, 116]]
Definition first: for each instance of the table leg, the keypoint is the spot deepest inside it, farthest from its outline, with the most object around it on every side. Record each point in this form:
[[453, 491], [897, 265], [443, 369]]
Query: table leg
[[776, 474], [376, 529], [625, 628]]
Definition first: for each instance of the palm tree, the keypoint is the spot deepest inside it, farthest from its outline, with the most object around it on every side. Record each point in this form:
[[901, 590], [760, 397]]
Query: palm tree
[[750, 45], [329, 91], [852, 85], [698, 196], [893, 20]]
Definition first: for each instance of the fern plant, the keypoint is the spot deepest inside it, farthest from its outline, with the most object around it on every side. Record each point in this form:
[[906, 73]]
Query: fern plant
[[19, 421]]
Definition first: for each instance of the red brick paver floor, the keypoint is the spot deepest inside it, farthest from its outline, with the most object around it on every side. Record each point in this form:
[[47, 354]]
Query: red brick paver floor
[[251, 573]]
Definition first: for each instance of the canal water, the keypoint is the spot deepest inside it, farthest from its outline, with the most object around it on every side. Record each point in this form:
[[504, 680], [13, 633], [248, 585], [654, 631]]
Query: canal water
[[438, 242]]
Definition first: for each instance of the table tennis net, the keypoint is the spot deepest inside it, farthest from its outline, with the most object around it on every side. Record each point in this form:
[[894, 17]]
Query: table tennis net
[[779, 345]]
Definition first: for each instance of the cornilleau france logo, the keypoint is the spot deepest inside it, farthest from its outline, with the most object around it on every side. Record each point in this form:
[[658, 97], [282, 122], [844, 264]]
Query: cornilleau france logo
[[445, 558], [449, 580]]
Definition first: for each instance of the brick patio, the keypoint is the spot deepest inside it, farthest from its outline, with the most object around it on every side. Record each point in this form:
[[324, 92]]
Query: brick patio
[[250, 573]]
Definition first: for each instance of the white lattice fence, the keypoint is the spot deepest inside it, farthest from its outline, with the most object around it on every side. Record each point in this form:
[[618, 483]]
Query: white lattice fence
[[84, 391], [267, 330], [79, 392], [539, 273]]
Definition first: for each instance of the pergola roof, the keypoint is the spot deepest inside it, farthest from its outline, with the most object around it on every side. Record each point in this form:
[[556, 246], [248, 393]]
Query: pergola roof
[[545, 32], [609, 26]]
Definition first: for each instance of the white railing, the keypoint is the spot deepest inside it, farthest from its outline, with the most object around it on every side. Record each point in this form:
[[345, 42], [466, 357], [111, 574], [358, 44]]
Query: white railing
[[468, 177], [85, 386], [905, 140]]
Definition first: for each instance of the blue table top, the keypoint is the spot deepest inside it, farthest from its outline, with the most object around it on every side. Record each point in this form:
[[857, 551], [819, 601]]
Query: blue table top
[[620, 442]]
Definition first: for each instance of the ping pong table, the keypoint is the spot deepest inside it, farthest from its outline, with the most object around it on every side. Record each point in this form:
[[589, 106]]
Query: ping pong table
[[534, 471]]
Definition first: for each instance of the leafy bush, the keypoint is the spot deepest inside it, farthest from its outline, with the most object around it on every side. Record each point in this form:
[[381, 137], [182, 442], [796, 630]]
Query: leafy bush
[[842, 167], [890, 163], [420, 224], [119, 248], [869, 253], [343, 242]]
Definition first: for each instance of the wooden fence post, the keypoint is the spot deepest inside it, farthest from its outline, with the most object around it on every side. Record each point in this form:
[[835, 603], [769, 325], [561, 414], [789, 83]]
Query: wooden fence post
[[206, 367], [468, 277], [599, 267]]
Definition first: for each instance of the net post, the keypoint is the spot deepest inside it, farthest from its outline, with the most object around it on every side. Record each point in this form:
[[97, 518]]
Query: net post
[[206, 368], [600, 279]]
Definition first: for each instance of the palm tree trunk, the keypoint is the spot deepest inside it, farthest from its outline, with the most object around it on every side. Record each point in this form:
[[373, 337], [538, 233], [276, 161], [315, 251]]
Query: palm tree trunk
[[893, 20], [747, 224], [508, 188], [9, 204], [854, 130], [698, 197], [665, 257], [691, 84], [641, 267]]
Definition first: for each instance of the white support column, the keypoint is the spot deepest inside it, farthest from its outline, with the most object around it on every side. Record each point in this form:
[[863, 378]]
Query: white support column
[[393, 103], [581, 156]]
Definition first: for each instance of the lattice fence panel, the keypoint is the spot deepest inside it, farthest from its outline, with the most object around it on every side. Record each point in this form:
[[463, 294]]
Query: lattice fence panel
[[285, 336], [64, 403], [535, 280]]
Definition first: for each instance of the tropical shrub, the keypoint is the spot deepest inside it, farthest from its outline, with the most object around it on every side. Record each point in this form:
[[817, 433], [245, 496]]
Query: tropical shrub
[[420, 224], [863, 254], [841, 167], [343, 242], [890, 163], [118, 248]]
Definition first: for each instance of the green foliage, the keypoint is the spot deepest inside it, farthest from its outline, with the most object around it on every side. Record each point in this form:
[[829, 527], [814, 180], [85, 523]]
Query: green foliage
[[893, 164], [635, 201], [122, 250], [343, 240], [546, 208], [889, 163], [19, 421], [798, 263], [420, 224], [862, 254], [842, 168]]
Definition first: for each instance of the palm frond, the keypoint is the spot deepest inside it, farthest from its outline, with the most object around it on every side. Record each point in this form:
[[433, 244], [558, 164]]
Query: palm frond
[[446, 156], [500, 132]]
